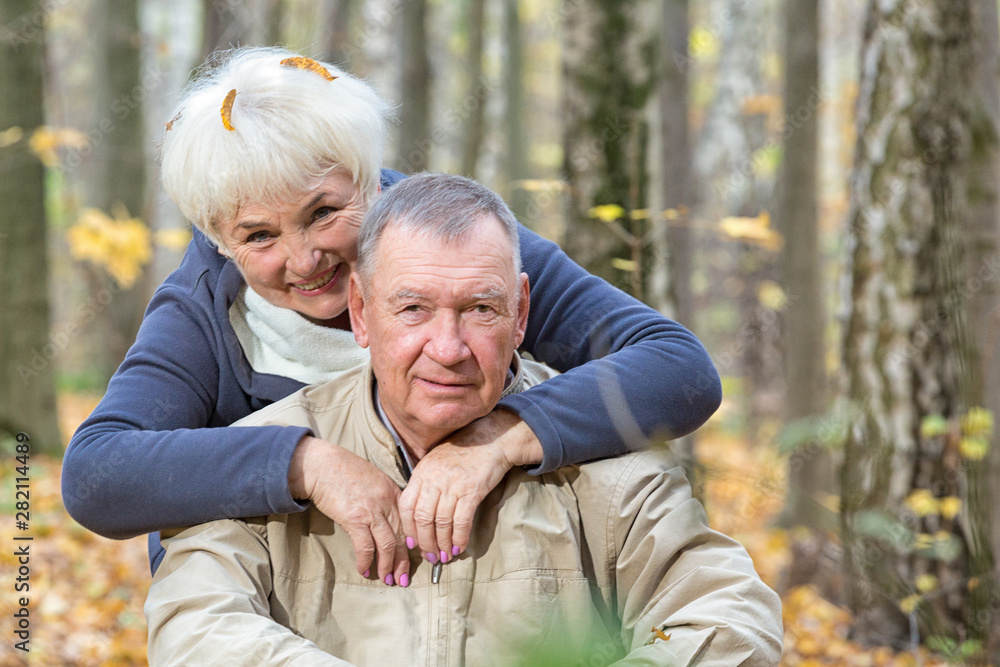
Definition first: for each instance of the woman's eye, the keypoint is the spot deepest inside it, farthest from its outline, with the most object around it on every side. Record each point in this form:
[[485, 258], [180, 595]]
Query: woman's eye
[[258, 237], [323, 212]]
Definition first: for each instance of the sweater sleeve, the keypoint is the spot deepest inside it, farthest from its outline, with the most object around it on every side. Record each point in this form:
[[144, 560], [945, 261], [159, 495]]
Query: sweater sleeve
[[146, 460], [629, 373]]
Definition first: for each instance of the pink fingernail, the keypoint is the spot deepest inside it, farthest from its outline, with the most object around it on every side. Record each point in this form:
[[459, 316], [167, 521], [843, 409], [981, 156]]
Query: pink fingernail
[[445, 557], [455, 550], [410, 543], [404, 580], [432, 557], [388, 580], [367, 572]]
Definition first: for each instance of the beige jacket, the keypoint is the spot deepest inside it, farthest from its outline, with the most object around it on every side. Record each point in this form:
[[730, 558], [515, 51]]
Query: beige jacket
[[573, 567]]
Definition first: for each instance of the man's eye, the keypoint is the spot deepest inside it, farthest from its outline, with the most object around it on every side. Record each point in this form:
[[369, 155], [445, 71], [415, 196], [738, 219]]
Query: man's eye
[[412, 308], [484, 309]]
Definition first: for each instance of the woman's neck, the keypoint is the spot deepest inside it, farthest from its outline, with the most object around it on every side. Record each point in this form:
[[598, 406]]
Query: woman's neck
[[342, 321]]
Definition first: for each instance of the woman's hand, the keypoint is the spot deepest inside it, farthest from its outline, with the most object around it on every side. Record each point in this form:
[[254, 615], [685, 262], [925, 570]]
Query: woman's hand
[[439, 503], [359, 497]]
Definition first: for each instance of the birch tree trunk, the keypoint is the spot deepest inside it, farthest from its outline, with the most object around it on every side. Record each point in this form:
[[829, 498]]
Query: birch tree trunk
[[909, 355], [27, 389]]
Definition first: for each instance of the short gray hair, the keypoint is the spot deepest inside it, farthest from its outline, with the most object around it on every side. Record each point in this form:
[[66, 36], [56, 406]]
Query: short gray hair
[[445, 207], [287, 129]]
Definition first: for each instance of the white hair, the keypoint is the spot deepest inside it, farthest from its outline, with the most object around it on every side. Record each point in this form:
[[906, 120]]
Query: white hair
[[291, 127]]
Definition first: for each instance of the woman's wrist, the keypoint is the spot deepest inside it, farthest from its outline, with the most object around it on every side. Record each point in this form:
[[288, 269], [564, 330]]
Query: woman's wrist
[[300, 481], [518, 443]]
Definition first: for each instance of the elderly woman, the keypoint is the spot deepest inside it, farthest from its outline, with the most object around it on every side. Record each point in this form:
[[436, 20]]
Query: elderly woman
[[275, 159]]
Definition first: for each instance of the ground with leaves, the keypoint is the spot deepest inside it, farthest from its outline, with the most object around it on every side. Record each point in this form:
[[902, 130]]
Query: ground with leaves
[[87, 592]]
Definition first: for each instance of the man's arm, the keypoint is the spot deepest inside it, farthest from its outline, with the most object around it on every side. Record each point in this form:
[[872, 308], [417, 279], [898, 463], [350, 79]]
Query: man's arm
[[208, 603], [694, 584]]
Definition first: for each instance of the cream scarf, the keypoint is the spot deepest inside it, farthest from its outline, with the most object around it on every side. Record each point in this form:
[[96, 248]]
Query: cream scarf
[[279, 341]]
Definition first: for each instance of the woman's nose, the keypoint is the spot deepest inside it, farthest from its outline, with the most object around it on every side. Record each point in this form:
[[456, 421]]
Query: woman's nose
[[303, 258]]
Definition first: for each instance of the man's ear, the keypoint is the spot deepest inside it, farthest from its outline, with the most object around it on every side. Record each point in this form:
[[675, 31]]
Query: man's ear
[[356, 308], [523, 303]]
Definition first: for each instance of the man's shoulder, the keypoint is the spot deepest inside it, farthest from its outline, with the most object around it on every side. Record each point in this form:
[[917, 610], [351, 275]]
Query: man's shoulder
[[311, 403]]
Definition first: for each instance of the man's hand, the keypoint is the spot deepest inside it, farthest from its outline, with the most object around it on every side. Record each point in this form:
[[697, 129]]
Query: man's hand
[[359, 497], [439, 503]]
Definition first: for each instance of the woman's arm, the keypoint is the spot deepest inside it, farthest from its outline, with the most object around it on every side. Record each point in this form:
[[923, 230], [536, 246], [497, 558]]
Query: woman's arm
[[144, 459], [629, 373]]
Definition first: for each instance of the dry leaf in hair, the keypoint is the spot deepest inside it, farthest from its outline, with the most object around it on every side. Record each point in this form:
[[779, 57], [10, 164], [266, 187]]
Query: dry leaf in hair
[[302, 62], [227, 110]]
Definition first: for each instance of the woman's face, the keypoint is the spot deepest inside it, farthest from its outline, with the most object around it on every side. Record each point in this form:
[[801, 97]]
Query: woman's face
[[299, 254]]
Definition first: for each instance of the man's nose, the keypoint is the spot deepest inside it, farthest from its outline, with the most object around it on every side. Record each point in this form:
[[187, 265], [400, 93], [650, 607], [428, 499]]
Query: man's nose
[[447, 342]]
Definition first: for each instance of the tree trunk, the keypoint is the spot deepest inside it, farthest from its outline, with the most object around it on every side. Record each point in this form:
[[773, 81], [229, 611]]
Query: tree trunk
[[910, 363], [984, 263], [415, 87], [672, 243], [515, 151], [475, 96], [336, 37], [115, 172], [27, 388], [607, 81], [810, 471]]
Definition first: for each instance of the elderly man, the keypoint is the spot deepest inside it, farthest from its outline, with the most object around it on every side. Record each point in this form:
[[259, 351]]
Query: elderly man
[[590, 564]]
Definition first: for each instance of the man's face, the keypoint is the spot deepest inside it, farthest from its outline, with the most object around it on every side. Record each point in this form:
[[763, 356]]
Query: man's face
[[443, 321]]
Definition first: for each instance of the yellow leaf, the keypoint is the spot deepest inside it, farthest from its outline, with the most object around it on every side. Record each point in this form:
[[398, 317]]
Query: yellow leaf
[[923, 541], [978, 422], [922, 503], [973, 583], [753, 230], [761, 104], [950, 507], [10, 136], [607, 212], [539, 185], [926, 583], [974, 448], [771, 296], [46, 140], [909, 604], [301, 62], [120, 246], [623, 264], [227, 110], [173, 239], [703, 42], [639, 214]]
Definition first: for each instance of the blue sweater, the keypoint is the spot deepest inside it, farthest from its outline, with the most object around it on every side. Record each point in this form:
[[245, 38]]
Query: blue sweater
[[152, 456]]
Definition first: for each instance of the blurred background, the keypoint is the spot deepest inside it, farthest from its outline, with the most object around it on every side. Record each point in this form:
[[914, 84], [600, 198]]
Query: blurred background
[[810, 186]]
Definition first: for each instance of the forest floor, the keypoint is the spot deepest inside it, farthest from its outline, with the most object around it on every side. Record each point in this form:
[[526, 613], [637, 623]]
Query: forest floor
[[86, 592]]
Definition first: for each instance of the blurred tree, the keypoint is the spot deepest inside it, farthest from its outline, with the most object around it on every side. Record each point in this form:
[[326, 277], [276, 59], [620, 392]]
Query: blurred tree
[[475, 91], [607, 80], [415, 143], [336, 41], [228, 24], [917, 436], [27, 388], [115, 172], [672, 242], [515, 151], [984, 301], [732, 168], [810, 467]]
